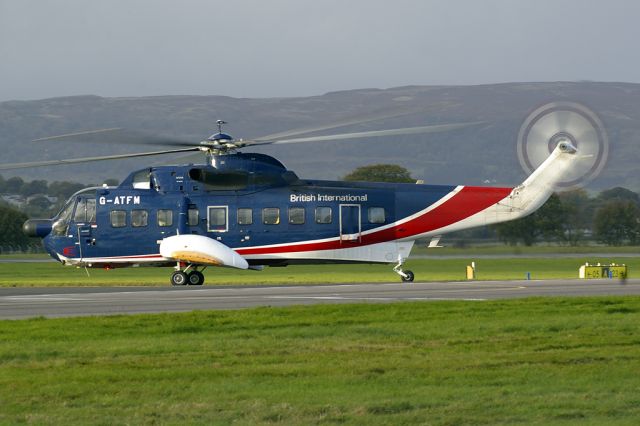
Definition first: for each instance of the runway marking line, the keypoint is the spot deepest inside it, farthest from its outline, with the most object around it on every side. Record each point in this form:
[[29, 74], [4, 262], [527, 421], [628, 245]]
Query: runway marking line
[[369, 298], [40, 298]]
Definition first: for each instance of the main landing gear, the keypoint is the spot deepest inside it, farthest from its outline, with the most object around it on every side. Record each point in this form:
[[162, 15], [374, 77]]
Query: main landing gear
[[406, 276], [185, 277]]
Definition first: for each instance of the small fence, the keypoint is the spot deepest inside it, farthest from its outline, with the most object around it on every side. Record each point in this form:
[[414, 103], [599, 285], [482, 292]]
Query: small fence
[[16, 249]]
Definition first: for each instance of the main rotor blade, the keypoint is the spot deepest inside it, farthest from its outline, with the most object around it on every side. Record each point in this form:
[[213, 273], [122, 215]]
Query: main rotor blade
[[76, 134], [348, 122], [120, 136], [90, 159], [371, 134]]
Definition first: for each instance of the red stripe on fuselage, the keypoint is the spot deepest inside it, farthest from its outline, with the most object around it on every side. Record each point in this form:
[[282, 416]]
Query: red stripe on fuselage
[[467, 202]]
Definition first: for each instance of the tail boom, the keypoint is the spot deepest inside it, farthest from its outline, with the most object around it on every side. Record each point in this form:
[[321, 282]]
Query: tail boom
[[520, 201]]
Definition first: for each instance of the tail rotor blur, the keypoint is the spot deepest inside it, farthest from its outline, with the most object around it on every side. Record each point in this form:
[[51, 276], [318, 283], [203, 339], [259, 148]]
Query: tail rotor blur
[[555, 122]]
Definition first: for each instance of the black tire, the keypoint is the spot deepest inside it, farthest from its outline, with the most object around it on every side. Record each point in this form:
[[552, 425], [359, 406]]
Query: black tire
[[195, 278], [178, 278], [409, 277]]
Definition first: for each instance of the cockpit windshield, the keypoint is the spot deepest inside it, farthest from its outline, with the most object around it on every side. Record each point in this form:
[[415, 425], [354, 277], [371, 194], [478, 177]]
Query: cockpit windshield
[[62, 219]]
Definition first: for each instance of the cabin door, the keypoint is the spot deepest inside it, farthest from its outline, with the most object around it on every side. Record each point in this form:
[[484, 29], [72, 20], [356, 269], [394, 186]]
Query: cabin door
[[350, 225], [84, 218]]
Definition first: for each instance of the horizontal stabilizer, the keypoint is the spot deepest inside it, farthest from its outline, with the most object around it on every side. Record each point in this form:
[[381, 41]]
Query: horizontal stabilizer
[[434, 242]]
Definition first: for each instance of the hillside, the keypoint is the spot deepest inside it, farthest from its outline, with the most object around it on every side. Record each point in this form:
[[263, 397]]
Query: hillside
[[485, 153]]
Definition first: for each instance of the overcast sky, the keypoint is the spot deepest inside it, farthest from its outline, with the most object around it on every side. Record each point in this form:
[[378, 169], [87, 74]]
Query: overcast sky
[[265, 48]]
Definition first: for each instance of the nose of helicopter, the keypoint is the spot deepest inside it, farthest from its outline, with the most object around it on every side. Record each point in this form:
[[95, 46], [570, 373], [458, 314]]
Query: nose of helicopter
[[37, 227]]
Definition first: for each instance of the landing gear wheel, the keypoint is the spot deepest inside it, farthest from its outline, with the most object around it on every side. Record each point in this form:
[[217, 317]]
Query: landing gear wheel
[[408, 278], [195, 278], [178, 278]]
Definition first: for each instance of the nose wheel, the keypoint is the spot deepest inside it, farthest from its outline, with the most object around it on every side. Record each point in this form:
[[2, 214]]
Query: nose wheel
[[180, 278]]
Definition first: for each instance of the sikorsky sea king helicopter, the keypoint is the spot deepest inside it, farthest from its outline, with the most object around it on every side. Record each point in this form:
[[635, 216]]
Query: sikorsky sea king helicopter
[[246, 210]]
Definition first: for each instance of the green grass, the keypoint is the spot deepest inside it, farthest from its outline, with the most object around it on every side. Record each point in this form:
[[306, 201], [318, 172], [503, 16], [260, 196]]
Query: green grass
[[532, 361], [54, 274]]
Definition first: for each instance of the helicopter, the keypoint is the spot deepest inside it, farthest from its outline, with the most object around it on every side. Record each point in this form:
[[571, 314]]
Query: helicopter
[[246, 210]]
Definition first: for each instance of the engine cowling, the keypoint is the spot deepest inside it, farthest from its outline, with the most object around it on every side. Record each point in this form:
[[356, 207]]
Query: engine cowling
[[200, 250]]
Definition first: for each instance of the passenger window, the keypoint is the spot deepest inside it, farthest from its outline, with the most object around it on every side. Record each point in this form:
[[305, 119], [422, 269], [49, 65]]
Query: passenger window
[[118, 218], [323, 214], [296, 215], [271, 216], [193, 217], [245, 216], [165, 217], [217, 219], [139, 218], [376, 215]]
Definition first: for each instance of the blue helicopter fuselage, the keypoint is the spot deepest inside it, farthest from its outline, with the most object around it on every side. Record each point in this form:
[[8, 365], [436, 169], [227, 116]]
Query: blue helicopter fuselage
[[252, 204]]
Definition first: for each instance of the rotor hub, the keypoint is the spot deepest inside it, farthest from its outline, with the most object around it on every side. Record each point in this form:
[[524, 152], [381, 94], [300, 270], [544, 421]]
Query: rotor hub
[[220, 137], [561, 137]]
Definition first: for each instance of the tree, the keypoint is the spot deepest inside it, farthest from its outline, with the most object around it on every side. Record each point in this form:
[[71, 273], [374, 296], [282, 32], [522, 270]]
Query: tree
[[617, 222], [519, 230], [34, 187], [380, 173], [64, 189], [547, 222], [578, 211], [550, 219], [39, 207], [11, 234], [619, 193], [13, 185]]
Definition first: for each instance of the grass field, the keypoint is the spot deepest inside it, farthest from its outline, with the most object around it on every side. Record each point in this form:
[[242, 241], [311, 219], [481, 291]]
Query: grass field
[[532, 361], [54, 274]]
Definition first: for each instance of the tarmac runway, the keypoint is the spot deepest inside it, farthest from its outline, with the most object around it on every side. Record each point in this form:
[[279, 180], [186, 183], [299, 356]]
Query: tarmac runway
[[17, 303]]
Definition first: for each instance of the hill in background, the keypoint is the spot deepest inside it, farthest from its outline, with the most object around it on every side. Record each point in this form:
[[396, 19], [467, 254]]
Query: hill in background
[[476, 155]]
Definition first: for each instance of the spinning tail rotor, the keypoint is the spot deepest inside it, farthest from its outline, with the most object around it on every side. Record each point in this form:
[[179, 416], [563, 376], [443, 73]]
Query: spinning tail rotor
[[568, 122]]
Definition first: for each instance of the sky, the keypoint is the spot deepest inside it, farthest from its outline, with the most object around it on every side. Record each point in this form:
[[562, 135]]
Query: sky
[[283, 48]]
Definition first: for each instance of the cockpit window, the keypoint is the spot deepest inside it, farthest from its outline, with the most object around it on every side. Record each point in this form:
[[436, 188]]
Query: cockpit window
[[85, 210], [142, 180]]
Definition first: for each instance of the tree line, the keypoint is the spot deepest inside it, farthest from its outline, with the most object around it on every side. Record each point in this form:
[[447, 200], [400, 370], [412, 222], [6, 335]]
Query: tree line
[[612, 217], [39, 198], [30, 199]]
